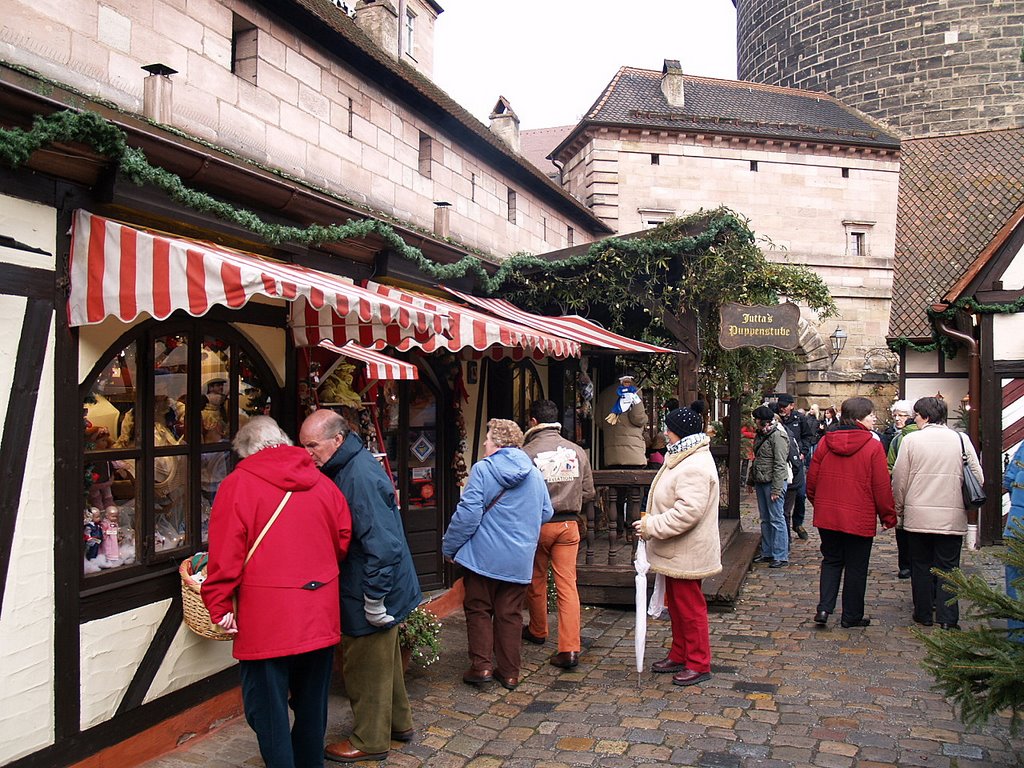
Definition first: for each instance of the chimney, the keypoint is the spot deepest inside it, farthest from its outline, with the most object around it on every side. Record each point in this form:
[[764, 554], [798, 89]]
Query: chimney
[[672, 82], [156, 93], [379, 20], [505, 124], [441, 215]]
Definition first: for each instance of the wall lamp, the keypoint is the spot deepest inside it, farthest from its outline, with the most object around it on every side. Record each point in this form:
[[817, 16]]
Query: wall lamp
[[838, 341]]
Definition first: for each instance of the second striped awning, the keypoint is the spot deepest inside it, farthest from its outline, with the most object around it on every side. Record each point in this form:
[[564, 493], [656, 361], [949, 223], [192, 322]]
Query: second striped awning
[[378, 366]]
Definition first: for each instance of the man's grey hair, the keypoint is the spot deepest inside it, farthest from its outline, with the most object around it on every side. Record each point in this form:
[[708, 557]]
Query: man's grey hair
[[258, 433]]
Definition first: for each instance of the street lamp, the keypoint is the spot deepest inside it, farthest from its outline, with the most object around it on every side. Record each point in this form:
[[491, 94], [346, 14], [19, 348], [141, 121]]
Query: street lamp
[[838, 341]]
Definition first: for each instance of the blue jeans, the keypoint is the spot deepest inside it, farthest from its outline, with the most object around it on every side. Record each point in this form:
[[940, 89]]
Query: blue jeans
[[774, 536], [269, 687]]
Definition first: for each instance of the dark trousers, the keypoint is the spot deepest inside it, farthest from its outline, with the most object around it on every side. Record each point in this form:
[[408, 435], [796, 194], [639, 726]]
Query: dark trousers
[[375, 683], [494, 623], [844, 557], [270, 687], [795, 505], [927, 551], [902, 550]]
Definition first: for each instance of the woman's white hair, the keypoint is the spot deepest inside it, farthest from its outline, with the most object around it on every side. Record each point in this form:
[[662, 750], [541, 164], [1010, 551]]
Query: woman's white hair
[[258, 433]]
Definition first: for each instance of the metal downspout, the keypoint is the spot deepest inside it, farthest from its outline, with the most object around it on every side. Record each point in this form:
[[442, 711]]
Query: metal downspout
[[973, 378]]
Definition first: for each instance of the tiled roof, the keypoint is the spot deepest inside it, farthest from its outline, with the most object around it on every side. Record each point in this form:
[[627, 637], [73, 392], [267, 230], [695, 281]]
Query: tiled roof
[[733, 107], [956, 193], [536, 144], [329, 25]]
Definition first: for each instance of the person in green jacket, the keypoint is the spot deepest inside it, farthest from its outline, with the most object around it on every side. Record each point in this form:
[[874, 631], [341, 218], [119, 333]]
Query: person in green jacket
[[770, 474]]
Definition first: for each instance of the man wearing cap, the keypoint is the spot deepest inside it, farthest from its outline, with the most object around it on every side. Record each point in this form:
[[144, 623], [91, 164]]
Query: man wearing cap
[[800, 429], [570, 482], [769, 474]]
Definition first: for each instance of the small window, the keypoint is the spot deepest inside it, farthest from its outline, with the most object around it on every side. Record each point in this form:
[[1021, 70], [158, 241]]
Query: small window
[[570, 236], [655, 159], [652, 217], [846, 173], [426, 152], [858, 243], [753, 166], [472, 187], [512, 206], [351, 115], [544, 224], [244, 48], [410, 32]]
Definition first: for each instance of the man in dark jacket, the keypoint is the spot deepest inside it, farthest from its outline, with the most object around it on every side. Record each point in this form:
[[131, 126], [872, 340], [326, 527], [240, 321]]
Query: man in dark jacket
[[379, 589], [802, 435], [570, 482]]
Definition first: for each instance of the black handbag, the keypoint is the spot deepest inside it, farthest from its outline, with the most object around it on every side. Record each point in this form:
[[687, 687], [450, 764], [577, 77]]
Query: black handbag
[[974, 494]]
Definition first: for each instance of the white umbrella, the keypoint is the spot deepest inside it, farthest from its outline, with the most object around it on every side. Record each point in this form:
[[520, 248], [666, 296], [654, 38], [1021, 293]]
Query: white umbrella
[[640, 631]]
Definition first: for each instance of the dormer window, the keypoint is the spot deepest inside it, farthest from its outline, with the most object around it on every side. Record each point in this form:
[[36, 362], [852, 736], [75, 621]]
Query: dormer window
[[410, 33]]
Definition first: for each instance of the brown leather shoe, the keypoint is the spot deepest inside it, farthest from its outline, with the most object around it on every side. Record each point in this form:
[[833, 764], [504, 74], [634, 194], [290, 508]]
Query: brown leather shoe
[[689, 677], [530, 637], [508, 682], [667, 665], [477, 676], [403, 735], [344, 752], [565, 659]]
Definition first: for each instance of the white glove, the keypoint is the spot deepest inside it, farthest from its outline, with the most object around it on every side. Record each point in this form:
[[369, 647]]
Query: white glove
[[376, 613], [971, 540]]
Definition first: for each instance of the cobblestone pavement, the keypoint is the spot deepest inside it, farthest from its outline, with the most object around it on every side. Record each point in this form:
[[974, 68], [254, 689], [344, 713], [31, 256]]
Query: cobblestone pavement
[[784, 693]]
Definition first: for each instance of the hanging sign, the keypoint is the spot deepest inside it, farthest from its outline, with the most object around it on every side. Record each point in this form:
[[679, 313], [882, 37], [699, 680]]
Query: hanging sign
[[759, 325]]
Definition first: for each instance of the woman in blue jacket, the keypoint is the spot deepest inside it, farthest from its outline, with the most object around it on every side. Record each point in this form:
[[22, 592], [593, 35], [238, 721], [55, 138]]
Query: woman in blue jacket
[[1013, 483], [493, 535]]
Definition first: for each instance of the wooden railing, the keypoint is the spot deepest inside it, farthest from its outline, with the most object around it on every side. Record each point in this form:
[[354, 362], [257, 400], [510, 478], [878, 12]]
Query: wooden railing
[[621, 492]]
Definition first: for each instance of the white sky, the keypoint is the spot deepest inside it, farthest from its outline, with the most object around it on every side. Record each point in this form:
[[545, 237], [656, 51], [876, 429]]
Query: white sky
[[552, 58]]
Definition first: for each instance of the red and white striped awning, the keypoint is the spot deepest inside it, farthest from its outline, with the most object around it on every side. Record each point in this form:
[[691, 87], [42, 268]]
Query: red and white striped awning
[[570, 326], [468, 330], [378, 366], [120, 271]]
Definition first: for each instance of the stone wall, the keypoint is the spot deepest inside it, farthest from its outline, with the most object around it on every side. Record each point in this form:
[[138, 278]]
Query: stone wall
[[803, 200], [303, 112], [923, 67]]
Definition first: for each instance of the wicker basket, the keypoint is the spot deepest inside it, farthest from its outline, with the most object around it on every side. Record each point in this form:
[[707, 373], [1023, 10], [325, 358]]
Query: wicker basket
[[197, 618]]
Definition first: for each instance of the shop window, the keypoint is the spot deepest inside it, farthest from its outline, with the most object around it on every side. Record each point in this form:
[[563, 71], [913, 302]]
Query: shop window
[[159, 414]]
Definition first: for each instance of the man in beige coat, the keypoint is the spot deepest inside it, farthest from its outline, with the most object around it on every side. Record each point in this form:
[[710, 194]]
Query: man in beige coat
[[681, 528], [926, 486], [622, 418]]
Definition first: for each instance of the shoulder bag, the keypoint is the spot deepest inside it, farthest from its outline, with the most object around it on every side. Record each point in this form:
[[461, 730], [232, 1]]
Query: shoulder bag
[[974, 494]]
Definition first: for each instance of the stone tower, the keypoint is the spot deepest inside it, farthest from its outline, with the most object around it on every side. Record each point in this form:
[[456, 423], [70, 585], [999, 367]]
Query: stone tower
[[923, 67]]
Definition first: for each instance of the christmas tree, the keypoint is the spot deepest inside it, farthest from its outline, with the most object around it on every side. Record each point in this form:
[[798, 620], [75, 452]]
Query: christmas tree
[[982, 669]]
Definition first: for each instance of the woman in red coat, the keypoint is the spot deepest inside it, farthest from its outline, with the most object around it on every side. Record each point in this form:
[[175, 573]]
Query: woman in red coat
[[288, 618], [849, 486]]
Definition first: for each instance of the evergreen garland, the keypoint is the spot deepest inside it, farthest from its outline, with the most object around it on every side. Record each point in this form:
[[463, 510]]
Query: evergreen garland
[[686, 266], [982, 669]]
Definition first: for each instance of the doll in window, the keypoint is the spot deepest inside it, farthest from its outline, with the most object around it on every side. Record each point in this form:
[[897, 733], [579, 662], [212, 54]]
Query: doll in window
[[93, 533], [110, 526]]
